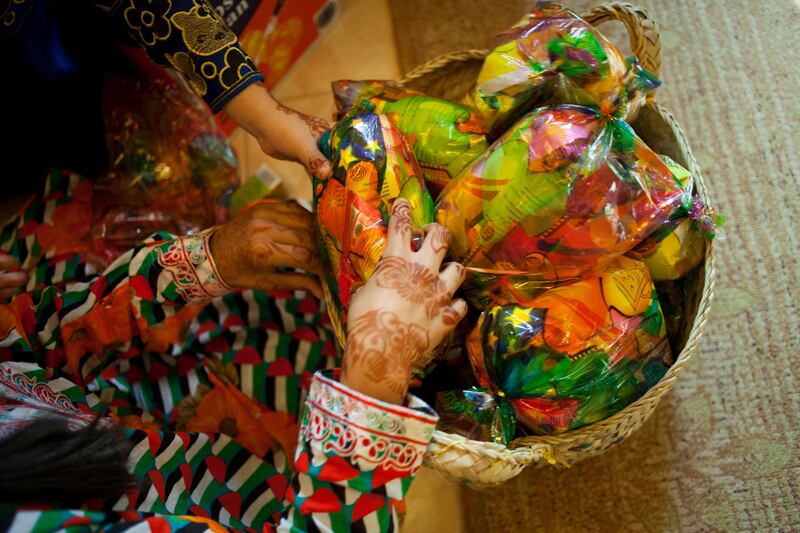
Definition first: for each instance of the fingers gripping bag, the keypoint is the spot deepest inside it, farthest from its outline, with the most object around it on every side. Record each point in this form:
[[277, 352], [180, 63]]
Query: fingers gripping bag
[[554, 56], [569, 357], [372, 167], [444, 136], [559, 195]]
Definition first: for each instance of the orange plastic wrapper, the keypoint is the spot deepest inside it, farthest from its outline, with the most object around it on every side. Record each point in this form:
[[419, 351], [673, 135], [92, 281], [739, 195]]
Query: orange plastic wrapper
[[171, 169], [569, 357], [372, 167], [554, 56], [561, 194]]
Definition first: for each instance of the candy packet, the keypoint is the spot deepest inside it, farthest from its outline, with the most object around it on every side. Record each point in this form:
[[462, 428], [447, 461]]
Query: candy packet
[[444, 136], [559, 195], [372, 167], [569, 357], [171, 169], [554, 56], [679, 245]]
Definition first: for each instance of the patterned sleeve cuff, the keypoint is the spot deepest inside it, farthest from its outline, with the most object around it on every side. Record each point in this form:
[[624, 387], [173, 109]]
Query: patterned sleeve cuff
[[187, 262], [371, 433]]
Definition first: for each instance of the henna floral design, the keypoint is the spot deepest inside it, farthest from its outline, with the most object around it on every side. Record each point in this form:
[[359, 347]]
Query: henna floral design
[[440, 238], [411, 280], [384, 347], [316, 125]]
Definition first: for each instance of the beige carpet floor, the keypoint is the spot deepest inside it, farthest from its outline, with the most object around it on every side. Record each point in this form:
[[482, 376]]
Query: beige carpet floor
[[721, 453]]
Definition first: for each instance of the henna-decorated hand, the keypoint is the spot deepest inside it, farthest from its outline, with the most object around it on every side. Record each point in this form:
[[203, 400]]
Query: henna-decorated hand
[[281, 132], [402, 312], [249, 249]]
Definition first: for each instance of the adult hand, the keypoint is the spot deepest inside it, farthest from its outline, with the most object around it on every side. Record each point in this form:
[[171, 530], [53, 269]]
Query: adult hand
[[403, 311], [281, 132], [10, 281], [249, 250]]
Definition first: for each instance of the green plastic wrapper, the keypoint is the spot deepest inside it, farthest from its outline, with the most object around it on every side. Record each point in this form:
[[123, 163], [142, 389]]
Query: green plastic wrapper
[[372, 167], [554, 56], [445, 136]]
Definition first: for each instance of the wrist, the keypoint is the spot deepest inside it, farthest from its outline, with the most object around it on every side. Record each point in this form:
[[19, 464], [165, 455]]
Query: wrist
[[221, 258], [253, 110], [388, 384]]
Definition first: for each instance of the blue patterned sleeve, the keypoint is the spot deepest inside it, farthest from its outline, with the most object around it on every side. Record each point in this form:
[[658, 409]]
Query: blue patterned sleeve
[[190, 37]]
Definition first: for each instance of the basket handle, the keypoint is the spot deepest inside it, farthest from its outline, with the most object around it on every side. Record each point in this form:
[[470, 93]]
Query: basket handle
[[442, 61], [642, 30]]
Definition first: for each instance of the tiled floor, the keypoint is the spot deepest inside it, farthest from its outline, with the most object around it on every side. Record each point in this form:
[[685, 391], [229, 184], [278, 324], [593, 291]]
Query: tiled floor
[[359, 45]]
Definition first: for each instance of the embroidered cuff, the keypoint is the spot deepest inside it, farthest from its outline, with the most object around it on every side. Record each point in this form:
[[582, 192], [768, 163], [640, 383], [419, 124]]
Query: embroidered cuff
[[188, 262], [369, 432]]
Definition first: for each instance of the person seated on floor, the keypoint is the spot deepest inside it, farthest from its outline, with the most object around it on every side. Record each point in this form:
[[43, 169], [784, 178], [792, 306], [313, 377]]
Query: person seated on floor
[[167, 388]]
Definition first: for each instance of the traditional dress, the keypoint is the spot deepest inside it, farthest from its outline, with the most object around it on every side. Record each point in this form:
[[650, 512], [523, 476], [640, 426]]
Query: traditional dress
[[206, 382]]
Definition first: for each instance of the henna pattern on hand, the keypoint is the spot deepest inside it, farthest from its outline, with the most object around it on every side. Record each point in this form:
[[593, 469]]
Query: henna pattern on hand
[[316, 125], [384, 348], [401, 215], [411, 280], [450, 316], [439, 238]]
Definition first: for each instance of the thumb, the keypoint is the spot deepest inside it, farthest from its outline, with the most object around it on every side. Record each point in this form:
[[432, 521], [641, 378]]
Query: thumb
[[318, 166]]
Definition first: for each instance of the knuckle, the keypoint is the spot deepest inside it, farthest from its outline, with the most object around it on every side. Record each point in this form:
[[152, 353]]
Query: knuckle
[[260, 252]]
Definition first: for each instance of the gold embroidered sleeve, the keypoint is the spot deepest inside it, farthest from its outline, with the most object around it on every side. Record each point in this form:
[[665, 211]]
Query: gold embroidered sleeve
[[190, 37]]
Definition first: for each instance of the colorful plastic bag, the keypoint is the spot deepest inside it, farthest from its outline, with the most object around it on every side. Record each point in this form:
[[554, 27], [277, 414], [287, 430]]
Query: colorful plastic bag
[[554, 56], [572, 356], [445, 137], [558, 196], [372, 167], [679, 245], [171, 169]]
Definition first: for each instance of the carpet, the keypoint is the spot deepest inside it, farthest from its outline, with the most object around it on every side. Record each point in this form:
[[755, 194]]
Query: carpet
[[721, 452]]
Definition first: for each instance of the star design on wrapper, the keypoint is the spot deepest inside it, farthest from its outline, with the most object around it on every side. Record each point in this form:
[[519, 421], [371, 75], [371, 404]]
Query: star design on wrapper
[[346, 156], [373, 146]]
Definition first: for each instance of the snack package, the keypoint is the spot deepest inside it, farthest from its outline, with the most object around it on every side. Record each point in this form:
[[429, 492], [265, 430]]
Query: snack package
[[572, 356], [445, 136], [679, 245], [554, 56], [372, 167], [559, 195], [170, 169]]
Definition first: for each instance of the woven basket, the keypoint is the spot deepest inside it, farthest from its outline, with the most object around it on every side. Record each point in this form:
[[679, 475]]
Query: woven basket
[[482, 463]]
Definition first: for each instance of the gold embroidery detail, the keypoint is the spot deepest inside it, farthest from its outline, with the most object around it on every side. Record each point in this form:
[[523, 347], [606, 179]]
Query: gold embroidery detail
[[151, 24], [184, 64], [235, 62], [209, 70], [204, 31]]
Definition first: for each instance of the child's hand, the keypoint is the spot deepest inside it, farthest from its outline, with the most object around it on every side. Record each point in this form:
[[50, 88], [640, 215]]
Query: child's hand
[[402, 312], [282, 132]]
